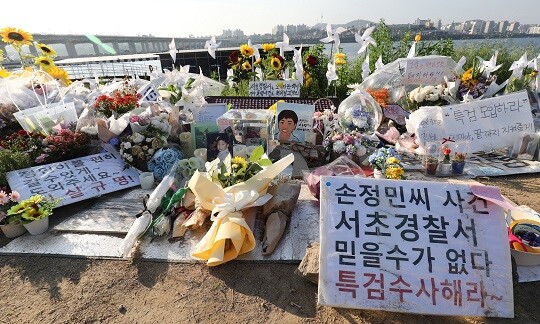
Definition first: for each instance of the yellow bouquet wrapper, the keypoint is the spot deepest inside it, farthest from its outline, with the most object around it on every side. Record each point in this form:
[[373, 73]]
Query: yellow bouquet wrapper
[[226, 206]]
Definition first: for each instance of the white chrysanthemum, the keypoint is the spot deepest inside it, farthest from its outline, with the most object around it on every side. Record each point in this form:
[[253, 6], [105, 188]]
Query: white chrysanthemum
[[126, 145]]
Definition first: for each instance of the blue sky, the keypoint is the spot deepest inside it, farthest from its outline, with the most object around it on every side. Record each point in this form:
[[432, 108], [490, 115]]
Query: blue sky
[[180, 18]]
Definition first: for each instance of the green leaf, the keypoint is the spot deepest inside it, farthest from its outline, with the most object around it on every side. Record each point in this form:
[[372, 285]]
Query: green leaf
[[265, 162], [256, 154]]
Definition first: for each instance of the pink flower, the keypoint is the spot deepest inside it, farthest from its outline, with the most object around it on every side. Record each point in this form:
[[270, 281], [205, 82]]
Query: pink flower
[[349, 139], [337, 137], [14, 196], [3, 198], [134, 119], [317, 114]]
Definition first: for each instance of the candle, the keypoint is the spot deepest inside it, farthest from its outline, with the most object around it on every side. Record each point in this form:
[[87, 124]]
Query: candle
[[147, 180], [239, 150], [186, 143], [200, 153]]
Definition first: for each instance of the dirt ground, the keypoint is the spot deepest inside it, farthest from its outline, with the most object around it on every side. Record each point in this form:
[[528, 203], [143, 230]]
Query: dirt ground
[[74, 290]]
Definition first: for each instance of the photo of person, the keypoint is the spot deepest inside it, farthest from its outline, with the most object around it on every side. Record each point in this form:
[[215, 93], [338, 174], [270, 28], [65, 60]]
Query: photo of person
[[287, 121], [219, 146], [293, 121]]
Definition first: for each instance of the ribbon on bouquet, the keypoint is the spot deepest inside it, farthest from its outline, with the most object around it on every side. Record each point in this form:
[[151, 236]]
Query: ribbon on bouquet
[[227, 206]]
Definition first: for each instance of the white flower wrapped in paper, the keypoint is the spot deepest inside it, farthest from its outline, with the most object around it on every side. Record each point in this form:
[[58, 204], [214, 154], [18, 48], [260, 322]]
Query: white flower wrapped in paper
[[226, 206]]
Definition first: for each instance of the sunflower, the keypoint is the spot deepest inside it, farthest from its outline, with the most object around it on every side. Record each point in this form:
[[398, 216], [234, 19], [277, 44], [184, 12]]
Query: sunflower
[[16, 37], [276, 63], [246, 66], [240, 162], [59, 74], [246, 50], [268, 47], [44, 62], [46, 50]]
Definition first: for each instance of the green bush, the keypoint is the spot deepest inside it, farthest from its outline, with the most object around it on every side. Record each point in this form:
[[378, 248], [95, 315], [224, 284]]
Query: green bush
[[10, 161]]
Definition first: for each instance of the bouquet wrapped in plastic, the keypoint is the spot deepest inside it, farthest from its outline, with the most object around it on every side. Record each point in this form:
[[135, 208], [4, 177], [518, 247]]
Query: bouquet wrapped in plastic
[[230, 235]]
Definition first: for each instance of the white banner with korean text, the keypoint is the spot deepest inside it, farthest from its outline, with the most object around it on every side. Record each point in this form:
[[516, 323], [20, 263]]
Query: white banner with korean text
[[484, 125], [75, 180], [275, 88], [413, 246]]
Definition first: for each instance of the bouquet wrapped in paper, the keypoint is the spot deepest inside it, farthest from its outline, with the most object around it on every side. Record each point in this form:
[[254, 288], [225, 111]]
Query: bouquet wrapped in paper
[[227, 189]]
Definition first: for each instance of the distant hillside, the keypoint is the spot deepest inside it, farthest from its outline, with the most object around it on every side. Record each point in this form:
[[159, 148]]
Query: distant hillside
[[358, 23]]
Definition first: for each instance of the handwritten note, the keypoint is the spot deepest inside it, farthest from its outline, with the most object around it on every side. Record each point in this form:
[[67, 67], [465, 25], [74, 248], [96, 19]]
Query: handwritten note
[[275, 88], [425, 70], [486, 124]]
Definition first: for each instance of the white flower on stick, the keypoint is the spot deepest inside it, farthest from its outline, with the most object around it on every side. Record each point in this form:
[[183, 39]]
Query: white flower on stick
[[212, 46], [365, 39], [518, 66], [333, 35]]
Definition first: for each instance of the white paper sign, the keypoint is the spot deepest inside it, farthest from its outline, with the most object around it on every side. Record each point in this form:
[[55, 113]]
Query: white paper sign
[[209, 113], [425, 70], [75, 180], [413, 246], [274, 88], [486, 124]]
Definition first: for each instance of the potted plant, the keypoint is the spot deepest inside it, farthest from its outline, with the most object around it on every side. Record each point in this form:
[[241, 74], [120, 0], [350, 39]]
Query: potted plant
[[11, 225], [386, 163], [446, 165], [34, 213], [431, 163], [458, 163]]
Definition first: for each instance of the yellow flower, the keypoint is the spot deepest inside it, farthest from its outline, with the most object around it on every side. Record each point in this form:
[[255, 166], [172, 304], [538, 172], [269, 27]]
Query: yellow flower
[[246, 66], [246, 50], [268, 47], [34, 200], [44, 62], [340, 61], [4, 73], [59, 74], [340, 55], [16, 37], [394, 172], [239, 161], [307, 78], [392, 160], [467, 75], [276, 63], [258, 61], [417, 38], [46, 50]]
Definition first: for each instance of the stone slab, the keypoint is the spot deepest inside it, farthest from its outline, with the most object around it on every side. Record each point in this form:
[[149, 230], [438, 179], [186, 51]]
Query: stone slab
[[96, 230]]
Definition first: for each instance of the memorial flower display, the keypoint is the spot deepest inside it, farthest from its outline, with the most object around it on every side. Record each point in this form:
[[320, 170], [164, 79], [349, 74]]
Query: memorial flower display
[[352, 144], [32, 209], [138, 148], [388, 162], [473, 83], [116, 104], [226, 190]]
